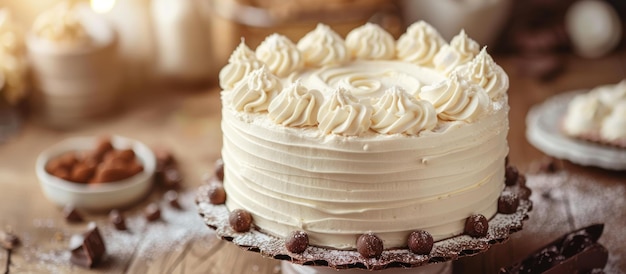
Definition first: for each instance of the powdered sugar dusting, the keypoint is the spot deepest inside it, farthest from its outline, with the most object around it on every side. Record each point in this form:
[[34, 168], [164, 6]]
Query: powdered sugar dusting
[[500, 226], [586, 200]]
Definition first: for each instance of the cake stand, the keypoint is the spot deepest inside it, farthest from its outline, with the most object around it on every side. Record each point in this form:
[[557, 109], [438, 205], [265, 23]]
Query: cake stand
[[320, 260], [543, 130]]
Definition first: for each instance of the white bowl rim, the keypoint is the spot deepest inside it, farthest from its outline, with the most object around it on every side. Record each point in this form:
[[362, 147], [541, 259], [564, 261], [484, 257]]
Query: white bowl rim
[[143, 152]]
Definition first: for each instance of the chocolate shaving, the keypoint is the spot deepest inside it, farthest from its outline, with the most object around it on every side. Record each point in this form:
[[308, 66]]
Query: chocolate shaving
[[171, 196], [91, 249], [117, 219], [152, 212], [575, 252]]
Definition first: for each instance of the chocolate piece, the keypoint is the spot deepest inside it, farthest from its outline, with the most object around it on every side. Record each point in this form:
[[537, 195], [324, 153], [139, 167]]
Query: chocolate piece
[[369, 245], [574, 252], [217, 195], [117, 219], [72, 215], [575, 243], [219, 169], [508, 203], [476, 225], [152, 212], [8, 240], [126, 155], [240, 220], [91, 249], [420, 242], [510, 175], [63, 173], [111, 172], [171, 196], [297, 241], [216, 217]]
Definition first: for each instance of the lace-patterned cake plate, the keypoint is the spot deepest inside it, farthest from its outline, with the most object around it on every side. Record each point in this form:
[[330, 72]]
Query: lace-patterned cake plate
[[543, 130], [500, 228]]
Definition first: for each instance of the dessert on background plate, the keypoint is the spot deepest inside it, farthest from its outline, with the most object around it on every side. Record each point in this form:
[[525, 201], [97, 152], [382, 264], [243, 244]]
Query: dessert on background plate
[[587, 127], [598, 115], [364, 151]]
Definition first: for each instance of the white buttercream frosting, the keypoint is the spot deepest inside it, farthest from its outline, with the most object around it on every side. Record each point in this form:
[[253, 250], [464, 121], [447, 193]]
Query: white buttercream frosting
[[280, 55], [456, 100], [62, 25], [370, 42], [614, 125], [344, 114], [419, 44], [255, 92], [323, 47], [461, 50], [241, 62], [398, 112], [599, 112], [296, 106], [484, 72], [363, 145]]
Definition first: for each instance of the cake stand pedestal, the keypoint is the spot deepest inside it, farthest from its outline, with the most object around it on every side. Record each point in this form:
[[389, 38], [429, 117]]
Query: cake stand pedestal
[[291, 268]]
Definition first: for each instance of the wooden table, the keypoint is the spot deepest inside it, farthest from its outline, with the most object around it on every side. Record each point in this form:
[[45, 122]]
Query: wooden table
[[188, 123]]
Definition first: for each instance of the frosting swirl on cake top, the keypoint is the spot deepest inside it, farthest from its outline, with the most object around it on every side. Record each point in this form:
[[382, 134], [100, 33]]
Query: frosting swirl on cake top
[[280, 55], [370, 42], [256, 91], [419, 44], [323, 47], [343, 114], [483, 71], [456, 100], [296, 106], [398, 112], [383, 90], [461, 50], [241, 62]]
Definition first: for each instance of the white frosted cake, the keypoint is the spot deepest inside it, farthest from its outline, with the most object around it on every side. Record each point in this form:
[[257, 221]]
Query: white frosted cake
[[338, 138], [598, 115]]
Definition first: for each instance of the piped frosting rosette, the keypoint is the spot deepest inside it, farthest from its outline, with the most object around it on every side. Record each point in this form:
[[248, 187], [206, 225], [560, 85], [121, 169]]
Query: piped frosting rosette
[[241, 62], [455, 99], [294, 88], [344, 114], [323, 47], [254, 94], [398, 112], [484, 72], [419, 44], [281, 56], [296, 106], [461, 50]]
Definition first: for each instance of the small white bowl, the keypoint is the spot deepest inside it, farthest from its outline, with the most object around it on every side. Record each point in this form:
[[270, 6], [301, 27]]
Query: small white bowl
[[96, 197]]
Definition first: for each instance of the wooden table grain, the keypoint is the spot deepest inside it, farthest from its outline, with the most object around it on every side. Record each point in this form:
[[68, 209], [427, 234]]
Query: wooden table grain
[[188, 124]]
